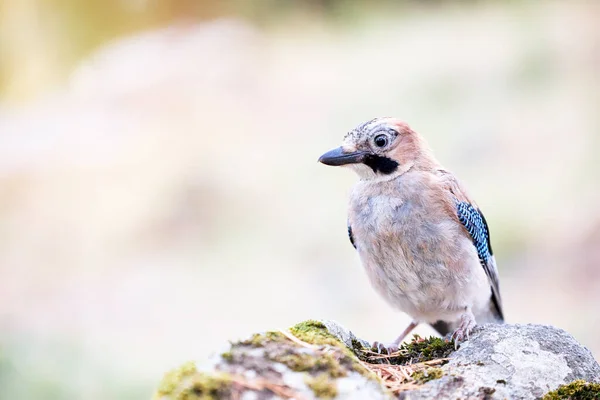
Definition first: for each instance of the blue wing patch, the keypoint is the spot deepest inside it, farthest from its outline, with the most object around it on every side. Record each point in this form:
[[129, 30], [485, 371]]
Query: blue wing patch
[[474, 221]]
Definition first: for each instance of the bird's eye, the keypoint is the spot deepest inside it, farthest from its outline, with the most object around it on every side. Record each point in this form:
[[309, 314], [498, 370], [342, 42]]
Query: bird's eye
[[380, 141]]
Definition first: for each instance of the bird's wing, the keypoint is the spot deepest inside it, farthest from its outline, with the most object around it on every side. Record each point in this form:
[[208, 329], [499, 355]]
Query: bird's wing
[[350, 236], [474, 222], [472, 219]]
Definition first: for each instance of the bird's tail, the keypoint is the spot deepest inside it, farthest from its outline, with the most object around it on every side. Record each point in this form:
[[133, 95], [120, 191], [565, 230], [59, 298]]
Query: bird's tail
[[485, 317], [443, 327]]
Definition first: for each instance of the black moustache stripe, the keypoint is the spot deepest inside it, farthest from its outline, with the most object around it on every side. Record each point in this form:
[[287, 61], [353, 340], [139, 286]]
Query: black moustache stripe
[[380, 164]]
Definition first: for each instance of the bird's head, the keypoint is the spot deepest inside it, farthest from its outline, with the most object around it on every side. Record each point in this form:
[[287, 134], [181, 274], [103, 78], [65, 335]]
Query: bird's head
[[380, 149]]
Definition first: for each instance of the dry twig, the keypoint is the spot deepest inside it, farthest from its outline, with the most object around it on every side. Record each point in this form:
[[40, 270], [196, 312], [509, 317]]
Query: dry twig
[[298, 341], [398, 378]]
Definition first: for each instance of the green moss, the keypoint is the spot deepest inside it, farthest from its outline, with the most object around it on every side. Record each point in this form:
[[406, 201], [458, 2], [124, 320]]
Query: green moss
[[332, 358], [322, 386], [360, 351], [357, 345], [186, 383], [216, 385], [426, 375], [428, 349], [576, 390], [329, 363], [314, 332], [419, 350], [227, 356], [173, 378], [261, 339], [310, 331]]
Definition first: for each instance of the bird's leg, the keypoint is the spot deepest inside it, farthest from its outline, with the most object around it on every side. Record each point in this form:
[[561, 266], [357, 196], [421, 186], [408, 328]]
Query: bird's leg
[[405, 333], [393, 347], [466, 325]]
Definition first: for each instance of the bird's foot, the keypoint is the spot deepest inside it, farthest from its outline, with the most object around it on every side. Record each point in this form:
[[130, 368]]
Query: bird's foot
[[467, 323], [381, 348]]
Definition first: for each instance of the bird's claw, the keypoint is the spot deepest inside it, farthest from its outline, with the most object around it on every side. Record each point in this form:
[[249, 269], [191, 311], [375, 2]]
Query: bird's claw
[[463, 331], [381, 348]]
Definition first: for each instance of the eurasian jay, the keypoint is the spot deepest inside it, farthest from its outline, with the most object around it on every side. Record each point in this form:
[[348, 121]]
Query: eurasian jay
[[423, 241]]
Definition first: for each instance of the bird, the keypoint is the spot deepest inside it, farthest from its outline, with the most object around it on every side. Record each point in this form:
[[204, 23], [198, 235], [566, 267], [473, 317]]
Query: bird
[[421, 238]]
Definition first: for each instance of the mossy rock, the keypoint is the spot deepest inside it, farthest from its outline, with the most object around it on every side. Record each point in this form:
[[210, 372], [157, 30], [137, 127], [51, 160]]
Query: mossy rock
[[315, 332], [323, 360], [305, 362]]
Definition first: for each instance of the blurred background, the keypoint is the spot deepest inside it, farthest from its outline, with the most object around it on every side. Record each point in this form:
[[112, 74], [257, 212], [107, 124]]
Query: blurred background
[[159, 190]]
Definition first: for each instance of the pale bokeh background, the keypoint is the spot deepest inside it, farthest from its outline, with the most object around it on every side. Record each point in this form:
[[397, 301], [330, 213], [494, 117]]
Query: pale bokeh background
[[159, 190]]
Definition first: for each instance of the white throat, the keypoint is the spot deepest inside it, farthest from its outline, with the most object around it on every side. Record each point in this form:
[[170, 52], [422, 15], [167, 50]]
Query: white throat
[[365, 173]]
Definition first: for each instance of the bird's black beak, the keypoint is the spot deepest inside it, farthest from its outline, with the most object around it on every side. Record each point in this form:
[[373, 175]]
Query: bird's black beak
[[340, 157]]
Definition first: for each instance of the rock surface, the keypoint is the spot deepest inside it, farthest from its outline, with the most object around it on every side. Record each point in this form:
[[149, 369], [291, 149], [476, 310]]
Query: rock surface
[[323, 360], [512, 362]]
